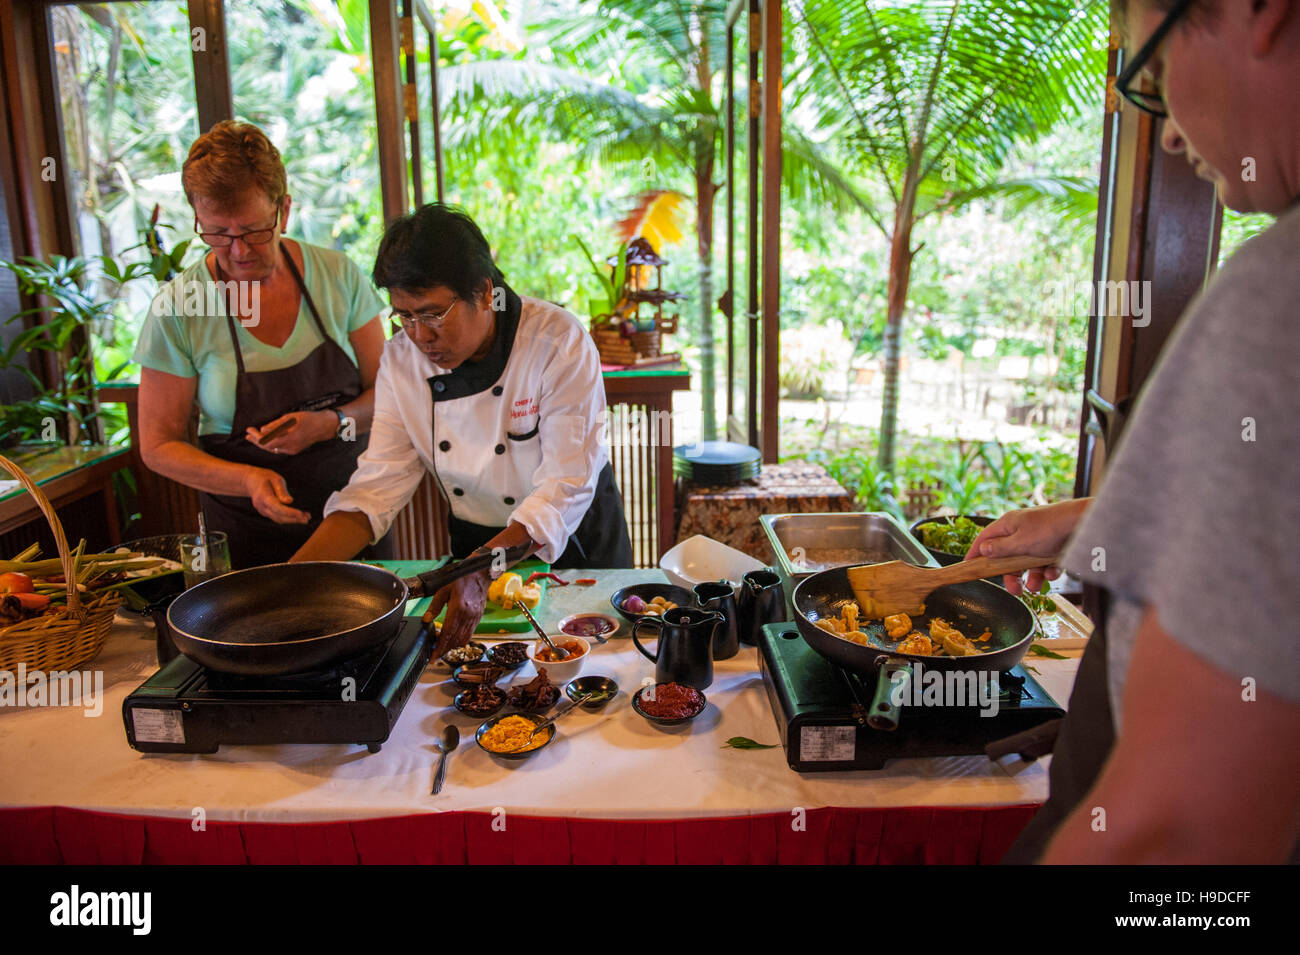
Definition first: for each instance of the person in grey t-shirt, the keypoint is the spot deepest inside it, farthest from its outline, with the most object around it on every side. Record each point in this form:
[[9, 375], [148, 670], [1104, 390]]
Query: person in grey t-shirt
[[1186, 712]]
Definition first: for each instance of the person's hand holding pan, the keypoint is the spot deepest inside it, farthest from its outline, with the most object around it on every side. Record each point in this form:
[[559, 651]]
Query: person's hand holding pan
[[270, 495], [1036, 531], [294, 432]]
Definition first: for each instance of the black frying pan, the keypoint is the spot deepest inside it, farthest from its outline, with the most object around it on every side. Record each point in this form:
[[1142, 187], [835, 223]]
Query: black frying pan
[[292, 618], [972, 608]]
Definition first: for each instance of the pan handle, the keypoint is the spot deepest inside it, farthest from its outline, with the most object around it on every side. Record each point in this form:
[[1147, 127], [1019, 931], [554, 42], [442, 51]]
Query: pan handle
[[431, 581], [883, 714]]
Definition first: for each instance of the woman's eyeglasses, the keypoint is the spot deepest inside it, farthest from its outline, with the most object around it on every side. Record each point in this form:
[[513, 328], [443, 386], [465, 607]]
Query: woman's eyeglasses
[[1127, 81], [429, 321], [222, 240]]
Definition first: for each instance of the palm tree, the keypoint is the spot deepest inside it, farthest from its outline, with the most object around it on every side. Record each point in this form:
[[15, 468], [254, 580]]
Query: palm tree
[[926, 100], [662, 114]]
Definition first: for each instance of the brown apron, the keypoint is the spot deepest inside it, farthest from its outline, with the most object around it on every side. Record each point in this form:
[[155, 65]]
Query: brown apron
[[1083, 744], [324, 379]]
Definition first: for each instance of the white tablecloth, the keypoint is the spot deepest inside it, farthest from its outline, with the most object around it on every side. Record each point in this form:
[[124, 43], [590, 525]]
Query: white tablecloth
[[607, 765]]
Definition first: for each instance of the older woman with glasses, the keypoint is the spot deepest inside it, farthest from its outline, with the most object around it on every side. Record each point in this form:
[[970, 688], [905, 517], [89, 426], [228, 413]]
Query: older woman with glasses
[[1179, 746], [277, 341], [499, 396]]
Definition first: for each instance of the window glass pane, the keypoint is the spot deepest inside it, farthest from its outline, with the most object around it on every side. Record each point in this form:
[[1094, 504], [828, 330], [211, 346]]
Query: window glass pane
[[126, 91], [300, 70]]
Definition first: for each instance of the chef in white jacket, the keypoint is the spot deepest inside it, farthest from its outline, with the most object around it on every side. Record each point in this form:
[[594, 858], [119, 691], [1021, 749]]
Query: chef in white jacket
[[500, 398]]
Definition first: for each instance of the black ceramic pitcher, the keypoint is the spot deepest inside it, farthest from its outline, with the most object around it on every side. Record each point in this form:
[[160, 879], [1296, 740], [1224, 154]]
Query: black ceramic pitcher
[[718, 596], [685, 652], [762, 601]]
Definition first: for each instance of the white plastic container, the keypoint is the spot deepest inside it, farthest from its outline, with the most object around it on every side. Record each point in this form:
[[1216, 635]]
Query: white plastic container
[[699, 559]]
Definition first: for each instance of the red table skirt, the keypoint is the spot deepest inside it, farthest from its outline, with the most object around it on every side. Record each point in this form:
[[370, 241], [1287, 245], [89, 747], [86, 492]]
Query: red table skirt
[[55, 834]]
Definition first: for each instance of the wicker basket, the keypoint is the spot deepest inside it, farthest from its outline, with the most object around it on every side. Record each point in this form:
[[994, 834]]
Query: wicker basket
[[647, 344], [614, 349], [63, 638]]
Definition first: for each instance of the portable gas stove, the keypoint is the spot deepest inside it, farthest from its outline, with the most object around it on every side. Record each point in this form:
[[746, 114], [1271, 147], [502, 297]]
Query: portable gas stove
[[187, 708], [821, 710]]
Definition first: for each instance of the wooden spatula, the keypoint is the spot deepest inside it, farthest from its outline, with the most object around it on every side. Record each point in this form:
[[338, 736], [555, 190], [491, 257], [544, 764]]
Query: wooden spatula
[[898, 587]]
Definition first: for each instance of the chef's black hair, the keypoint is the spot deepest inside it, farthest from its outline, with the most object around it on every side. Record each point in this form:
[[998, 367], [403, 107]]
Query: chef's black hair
[[437, 244]]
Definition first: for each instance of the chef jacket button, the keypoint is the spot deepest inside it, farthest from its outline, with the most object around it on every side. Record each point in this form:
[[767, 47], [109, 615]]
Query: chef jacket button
[[496, 390], [500, 449], [510, 500], [458, 492], [444, 445], [440, 386]]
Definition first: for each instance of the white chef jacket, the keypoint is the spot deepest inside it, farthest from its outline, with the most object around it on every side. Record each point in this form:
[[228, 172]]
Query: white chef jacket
[[519, 440]]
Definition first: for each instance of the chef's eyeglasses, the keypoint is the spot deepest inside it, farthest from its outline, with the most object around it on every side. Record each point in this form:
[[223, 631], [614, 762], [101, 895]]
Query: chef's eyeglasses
[[222, 240], [1125, 83], [429, 321]]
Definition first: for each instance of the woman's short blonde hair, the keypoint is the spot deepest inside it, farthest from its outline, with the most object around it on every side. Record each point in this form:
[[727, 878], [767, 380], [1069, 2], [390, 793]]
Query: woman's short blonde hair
[[230, 159]]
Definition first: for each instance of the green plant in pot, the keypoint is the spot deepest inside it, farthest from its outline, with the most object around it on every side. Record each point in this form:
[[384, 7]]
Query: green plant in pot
[[613, 285], [64, 288]]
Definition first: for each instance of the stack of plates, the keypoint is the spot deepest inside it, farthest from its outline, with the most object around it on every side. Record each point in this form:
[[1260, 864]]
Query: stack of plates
[[716, 462]]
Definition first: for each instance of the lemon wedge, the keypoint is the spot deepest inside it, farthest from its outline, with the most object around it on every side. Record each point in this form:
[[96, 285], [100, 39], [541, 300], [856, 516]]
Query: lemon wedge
[[497, 589]]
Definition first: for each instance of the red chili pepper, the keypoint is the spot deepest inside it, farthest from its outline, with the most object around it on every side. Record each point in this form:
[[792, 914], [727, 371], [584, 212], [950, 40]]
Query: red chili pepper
[[541, 574], [585, 581]]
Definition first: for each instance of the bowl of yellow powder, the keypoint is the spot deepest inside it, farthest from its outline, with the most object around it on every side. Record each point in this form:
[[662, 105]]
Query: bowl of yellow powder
[[507, 736]]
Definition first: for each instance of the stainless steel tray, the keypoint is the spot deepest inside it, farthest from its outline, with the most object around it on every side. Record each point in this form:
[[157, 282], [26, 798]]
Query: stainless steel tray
[[876, 534]]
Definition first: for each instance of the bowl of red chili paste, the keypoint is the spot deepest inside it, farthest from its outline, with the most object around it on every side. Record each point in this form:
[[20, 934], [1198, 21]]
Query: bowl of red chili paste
[[669, 704]]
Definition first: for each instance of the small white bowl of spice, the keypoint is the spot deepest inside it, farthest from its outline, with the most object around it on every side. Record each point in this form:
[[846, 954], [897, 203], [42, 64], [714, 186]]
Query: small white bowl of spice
[[561, 671]]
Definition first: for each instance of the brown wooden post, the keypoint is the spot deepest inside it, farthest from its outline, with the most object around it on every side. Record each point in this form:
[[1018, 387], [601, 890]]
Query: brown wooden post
[[388, 108], [212, 88], [431, 28], [771, 253]]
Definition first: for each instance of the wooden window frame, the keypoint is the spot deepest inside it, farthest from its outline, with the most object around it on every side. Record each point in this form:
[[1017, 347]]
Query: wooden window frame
[[760, 426]]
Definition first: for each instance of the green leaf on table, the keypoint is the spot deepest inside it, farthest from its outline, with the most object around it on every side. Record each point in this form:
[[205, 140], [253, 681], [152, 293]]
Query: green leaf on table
[[1033, 670], [744, 742], [1039, 650]]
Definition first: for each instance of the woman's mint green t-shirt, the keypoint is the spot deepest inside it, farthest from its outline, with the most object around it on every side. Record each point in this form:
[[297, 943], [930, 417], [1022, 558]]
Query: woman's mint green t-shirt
[[186, 333]]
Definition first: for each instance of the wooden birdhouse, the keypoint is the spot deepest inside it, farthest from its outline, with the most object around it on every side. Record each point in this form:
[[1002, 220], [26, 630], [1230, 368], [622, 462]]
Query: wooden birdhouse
[[630, 336]]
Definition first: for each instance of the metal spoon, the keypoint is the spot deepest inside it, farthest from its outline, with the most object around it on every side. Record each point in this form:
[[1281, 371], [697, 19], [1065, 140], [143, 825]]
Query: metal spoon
[[560, 653], [450, 740]]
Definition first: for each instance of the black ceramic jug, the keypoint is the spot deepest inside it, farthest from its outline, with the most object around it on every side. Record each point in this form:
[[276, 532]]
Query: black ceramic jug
[[718, 596], [685, 651]]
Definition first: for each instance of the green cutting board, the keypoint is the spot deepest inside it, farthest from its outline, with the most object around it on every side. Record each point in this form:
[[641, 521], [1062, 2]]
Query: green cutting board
[[495, 619]]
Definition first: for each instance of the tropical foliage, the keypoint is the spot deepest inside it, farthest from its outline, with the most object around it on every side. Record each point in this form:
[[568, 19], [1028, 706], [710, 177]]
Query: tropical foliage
[[927, 99], [926, 183]]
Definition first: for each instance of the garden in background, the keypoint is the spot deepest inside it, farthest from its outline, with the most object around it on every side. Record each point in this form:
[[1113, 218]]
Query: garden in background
[[940, 178]]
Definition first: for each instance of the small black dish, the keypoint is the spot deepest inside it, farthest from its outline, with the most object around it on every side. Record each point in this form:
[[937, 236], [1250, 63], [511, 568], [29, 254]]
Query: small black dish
[[647, 592], [456, 674], [473, 651], [480, 714], [488, 724], [494, 653], [601, 688], [666, 721]]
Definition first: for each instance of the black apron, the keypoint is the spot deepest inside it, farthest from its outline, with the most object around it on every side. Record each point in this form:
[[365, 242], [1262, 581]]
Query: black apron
[[324, 379], [1086, 737], [601, 540]]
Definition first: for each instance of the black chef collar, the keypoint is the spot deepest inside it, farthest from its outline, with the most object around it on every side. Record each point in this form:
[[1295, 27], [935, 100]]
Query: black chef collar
[[471, 377]]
